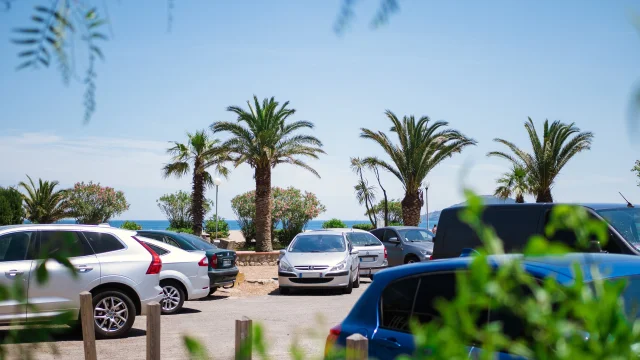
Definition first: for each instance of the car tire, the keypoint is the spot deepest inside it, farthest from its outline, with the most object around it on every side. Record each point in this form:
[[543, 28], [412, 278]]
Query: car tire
[[349, 288], [109, 303], [212, 290], [410, 259], [284, 291], [174, 297], [357, 283]]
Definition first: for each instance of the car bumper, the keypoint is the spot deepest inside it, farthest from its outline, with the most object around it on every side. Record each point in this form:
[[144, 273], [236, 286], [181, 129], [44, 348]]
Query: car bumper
[[199, 293], [371, 270], [156, 298], [222, 277], [327, 280]]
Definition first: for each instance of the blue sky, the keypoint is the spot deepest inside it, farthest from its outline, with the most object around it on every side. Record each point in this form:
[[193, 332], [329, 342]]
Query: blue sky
[[482, 66]]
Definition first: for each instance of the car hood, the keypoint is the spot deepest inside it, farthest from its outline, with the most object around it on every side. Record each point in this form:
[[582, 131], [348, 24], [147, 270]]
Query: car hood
[[427, 245], [328, 258]]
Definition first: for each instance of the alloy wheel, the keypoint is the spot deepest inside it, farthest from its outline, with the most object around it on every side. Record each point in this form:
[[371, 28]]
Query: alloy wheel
[[111, 314], [171, 298]]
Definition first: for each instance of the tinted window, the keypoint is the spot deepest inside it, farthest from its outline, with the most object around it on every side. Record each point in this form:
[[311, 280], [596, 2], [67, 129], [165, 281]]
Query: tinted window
[[362, 239], [388, 234], [160, 251], [102, 243], [513, 325], [396, 304], [626, 222], [64, 243], [433, 287], [415, 235], [379, 233], [152, 236], [197, 242], [631, 297], [168, 240], [15, 246], [318, 243]]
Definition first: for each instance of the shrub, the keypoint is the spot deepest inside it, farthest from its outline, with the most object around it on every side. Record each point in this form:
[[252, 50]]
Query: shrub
[[334, 224], [223, 228], [93, 204], [176, 208], [181, 230], [130, 225], [395, 211], [366, 227], [11, 210], [393, 223]]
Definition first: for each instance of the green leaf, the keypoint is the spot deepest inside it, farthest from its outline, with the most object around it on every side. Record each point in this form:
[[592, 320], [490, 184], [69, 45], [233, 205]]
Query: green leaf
[[57, 15], [99, 36], [24, 65], [24, 41], [51, 41], [27, 30], [26, 53], [196, 350], [42, 275], [91, 14], [44, 61], [96, 50], [37, 19], [97, 23]]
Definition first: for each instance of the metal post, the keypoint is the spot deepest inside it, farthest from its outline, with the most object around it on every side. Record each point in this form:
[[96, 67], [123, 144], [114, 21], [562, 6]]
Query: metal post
[[216, 212], [426, 195]]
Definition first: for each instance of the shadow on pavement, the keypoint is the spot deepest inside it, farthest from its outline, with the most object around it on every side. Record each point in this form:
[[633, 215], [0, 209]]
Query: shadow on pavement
[[213, 298], [59, 334], [308, 292], [183, 311]]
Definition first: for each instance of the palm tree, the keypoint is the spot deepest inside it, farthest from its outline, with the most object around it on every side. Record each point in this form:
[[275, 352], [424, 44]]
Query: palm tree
[[266, 141], [364, 193], [44, 204], [371, 163], [198, 154], [422, 147], [550, 154], [514, 182]]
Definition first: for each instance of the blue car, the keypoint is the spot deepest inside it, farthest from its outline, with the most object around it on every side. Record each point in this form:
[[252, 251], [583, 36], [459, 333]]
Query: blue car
[[383, 311]]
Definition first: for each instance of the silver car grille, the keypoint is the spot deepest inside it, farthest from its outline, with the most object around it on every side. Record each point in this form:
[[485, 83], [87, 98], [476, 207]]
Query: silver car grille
[[312, 267]]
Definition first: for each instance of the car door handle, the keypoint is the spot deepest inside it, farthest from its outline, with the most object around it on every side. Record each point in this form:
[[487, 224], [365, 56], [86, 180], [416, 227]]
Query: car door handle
[[391, 343], [83, 268], [13, 273]]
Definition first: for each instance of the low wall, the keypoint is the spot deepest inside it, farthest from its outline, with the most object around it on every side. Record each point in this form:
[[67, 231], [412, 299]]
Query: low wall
[[252, 258]]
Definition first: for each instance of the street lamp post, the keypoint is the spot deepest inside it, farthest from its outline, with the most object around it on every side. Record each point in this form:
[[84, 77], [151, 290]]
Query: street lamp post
[[426, 201], [217, 183]]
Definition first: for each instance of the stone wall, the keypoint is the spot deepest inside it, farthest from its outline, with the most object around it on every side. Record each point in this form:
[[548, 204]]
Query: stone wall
[[252, 258]]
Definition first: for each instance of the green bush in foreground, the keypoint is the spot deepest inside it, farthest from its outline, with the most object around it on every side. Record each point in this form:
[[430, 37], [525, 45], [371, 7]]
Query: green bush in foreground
[[334, 224], [366, 227], [130, 225]]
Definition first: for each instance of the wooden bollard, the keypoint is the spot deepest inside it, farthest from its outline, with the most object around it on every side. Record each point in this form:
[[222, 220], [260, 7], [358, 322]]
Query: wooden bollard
[[357, 347], [153, 331], [88, 328], [244, 339]]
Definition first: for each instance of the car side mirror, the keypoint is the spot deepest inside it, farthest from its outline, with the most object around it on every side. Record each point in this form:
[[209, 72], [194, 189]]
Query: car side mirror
[[394, 240], [354, 252], [282, 252]]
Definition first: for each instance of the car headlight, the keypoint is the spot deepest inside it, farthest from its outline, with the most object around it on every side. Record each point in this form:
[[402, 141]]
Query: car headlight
[[285, 266], [340, 266], [425, 252]]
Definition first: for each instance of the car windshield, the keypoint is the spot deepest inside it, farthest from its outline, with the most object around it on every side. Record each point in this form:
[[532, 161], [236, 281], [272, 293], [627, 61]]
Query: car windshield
[[318, 243], [416, 235], [626, 221], [198, 242], [362, 239]]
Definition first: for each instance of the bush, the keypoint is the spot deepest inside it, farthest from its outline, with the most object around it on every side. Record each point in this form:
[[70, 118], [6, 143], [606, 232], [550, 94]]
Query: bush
[[11, 210], [223, 228], [93, 204], [366, 227], [395, 211], [394, 223], [181, 230], [334, 224], [130, 225], [176, 208]]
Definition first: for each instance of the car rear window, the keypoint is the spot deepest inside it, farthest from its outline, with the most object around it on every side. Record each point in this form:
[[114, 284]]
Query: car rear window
[[160, 251], [103, 242], [198, 242]]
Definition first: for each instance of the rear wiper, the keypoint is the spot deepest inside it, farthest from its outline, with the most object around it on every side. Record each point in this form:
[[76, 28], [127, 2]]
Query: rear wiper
[[371, 245]]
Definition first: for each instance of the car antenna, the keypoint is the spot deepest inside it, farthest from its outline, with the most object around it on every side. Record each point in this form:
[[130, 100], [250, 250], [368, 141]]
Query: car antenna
[[630, 205]]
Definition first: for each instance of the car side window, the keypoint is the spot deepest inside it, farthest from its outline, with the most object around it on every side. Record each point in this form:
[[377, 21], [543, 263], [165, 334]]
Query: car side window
[[388, 234], [64, 243], [15, 246], [167, 240], [160, 251], [396, 304], [432, 288], [379, 233], [103, 242]]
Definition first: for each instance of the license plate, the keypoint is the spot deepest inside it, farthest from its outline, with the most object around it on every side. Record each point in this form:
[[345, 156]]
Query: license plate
[[310, 275], [367, 259], [226, 262]]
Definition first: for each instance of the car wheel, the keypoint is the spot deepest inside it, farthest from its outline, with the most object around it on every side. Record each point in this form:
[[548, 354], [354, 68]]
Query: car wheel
[[411, 259], [356, 284], [349, 287], [173, 297], [212, 290], [113, 313], [284, 291]]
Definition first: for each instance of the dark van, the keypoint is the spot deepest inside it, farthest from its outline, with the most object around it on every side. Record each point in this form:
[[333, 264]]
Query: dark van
[[516, 223]]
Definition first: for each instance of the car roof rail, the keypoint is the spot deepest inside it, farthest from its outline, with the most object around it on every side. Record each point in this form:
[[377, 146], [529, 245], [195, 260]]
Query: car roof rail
[[468, 252]]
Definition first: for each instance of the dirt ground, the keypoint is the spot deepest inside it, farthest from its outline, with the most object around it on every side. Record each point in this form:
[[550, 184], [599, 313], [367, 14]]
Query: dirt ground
[[249, 289]]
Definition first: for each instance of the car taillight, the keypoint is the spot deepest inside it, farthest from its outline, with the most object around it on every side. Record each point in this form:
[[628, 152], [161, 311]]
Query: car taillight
[[156, 262], [334, 333], [385, 253], [204, 262], [214, 260], [429, 257]]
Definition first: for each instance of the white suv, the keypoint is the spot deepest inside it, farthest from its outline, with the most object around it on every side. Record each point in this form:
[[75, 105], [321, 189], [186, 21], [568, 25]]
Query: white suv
[[121, 273]]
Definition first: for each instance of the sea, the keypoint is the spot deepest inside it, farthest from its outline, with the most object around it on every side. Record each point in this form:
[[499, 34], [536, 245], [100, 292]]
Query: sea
[[233, 224]]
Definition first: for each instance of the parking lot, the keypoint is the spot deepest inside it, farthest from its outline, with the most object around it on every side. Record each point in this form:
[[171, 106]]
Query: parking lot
[[308, 315]]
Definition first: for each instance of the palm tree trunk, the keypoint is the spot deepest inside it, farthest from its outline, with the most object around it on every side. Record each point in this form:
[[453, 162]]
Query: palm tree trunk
[[386, 202], [519, 199], [544, 196], [197, 199], [411, 206], [263, 209]]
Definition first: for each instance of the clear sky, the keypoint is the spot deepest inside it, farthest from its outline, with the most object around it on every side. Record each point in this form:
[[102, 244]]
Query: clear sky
[[483, 66]]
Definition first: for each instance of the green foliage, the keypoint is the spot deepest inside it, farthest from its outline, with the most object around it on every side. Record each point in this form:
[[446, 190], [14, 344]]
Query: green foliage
[[396, 223], [223, 228], [130, 225], [11, 210], [181, 230], [365, 193], [334, 224], [366, 227], [515, 182], [44, 204], [176, 208], [395, 211], [636, 169], [94, 204]]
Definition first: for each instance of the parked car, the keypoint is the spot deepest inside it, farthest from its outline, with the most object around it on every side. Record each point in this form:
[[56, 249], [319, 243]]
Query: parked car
[[383, 312], [372, 254], [121, 273], [405, 244], [222, 262], [515, 224], [184, 274], [319, 259]]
